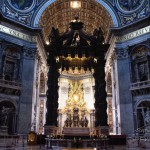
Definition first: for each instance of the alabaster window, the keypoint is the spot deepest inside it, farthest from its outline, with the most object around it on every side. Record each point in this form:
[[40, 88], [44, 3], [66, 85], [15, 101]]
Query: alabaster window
[[11, 64], [140, 64]]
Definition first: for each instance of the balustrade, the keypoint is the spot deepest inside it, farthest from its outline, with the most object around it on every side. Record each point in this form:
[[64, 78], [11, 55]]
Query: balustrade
[[140, 85]]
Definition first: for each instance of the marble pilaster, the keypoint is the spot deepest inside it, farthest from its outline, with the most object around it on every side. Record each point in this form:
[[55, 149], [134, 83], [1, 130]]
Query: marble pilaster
[[123, 97], [26, 98]]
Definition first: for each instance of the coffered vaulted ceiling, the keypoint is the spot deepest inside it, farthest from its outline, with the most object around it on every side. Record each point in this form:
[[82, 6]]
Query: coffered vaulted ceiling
[[59, 14]]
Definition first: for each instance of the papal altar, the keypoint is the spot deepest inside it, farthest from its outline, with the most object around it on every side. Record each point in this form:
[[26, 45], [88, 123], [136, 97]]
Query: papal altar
[[80, 131]]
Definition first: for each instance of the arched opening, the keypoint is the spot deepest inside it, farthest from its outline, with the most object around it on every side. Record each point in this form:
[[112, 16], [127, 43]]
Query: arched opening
[[8, 117]]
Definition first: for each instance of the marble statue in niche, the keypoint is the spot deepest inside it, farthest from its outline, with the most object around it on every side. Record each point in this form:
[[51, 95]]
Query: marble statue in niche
[[147, 117], [4, 115]]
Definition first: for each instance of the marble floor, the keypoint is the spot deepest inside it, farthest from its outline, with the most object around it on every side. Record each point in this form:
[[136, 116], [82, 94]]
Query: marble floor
[[59, 148]]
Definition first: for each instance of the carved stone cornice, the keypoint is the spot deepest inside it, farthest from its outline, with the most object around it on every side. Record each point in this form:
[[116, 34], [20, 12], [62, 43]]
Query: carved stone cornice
[[29, 53], [72, 77], [121, 53], [140, 88], [10, 88]]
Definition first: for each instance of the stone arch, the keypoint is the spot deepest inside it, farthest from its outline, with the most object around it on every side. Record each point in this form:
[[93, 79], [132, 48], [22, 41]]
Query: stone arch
[[140, 101], [140, 46], [103, 3], [11, 101]]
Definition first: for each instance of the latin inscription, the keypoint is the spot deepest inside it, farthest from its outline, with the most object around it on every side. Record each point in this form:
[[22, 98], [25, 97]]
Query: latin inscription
[[17, 34], [133, 34]]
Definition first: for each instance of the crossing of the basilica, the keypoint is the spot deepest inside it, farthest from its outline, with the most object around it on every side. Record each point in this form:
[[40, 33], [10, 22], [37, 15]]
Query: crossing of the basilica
[[74, 74]]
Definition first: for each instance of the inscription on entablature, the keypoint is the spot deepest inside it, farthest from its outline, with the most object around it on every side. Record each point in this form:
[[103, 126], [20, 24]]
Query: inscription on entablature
[[17, 34], [134, 34]]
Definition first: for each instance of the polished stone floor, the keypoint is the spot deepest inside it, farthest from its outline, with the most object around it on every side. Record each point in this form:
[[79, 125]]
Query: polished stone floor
[[59, 148], [12, 144]]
